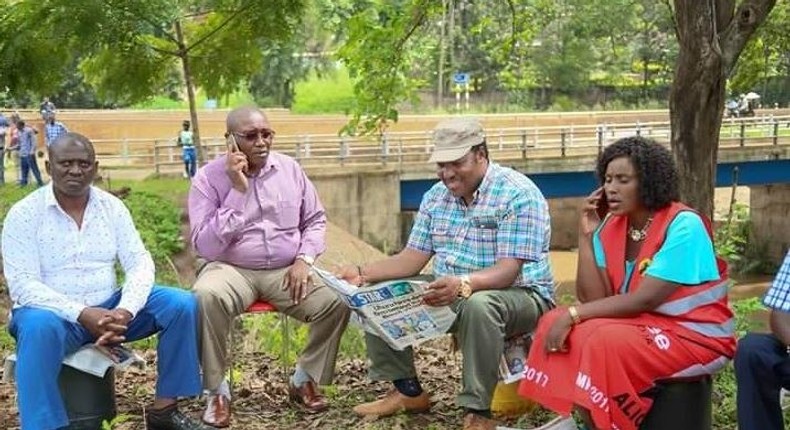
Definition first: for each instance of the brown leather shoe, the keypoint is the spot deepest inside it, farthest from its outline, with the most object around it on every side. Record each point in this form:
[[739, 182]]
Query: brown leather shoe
[[478, 422], [393, 403], [308, 396], [217, 413]]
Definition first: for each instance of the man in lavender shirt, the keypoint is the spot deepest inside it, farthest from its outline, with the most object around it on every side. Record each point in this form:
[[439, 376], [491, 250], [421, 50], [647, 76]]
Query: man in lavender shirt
[[257, 219]]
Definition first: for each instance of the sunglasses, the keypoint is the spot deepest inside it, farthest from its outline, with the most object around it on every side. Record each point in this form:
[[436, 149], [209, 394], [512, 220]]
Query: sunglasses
[[254, 135]]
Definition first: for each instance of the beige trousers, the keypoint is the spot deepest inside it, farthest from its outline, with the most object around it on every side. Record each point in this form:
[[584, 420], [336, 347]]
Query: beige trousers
[[225, 291]]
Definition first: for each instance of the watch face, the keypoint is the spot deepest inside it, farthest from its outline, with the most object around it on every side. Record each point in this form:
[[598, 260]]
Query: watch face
[[466, 290]]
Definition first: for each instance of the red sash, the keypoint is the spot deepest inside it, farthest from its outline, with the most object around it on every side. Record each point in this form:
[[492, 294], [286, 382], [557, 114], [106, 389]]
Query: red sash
[[612, 362], [701, 309]]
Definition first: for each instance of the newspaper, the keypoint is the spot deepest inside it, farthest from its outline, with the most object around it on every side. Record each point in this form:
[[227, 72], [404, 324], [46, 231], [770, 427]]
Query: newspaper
[[559, 423], [512, 363], [393, 310], [90, 359]]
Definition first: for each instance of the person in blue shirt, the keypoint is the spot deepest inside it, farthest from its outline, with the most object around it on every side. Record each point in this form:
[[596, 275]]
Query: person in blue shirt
[[762, 361], [27, 153], [3, 132], [189, 155]]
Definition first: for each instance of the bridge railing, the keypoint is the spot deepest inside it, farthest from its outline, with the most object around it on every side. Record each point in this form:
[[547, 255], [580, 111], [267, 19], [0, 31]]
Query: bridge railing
[[400, 150]]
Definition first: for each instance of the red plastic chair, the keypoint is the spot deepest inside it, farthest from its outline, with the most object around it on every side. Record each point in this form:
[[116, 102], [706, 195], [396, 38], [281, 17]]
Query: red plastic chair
[[258, 307]]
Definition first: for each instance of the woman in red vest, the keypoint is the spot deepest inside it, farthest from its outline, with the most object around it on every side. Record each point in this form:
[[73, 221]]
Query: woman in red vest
[[653, 297]]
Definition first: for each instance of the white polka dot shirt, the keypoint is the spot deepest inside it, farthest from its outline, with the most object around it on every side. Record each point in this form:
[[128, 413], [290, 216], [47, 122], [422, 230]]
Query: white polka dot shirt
[[52, 264]]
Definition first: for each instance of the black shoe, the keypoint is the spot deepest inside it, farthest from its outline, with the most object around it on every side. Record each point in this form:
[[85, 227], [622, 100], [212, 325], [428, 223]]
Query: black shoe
[[170, 418]]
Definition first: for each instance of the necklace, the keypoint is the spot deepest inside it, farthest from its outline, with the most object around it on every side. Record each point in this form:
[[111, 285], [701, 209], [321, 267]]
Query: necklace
[[641, 234]]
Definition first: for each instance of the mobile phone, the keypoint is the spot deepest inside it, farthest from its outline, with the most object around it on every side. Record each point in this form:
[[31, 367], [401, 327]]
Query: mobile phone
[[603, 206], [231, 142]]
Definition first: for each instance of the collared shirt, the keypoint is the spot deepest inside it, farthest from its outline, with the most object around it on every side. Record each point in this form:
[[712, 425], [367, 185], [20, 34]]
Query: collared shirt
[[51, 263], [26, 141], [277, 219], [778, 296], [53, 131], [508, 218]]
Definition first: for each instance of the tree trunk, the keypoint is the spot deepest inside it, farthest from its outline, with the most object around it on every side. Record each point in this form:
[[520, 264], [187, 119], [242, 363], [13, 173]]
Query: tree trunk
[[711, 36], [440, 77], [184, 57]]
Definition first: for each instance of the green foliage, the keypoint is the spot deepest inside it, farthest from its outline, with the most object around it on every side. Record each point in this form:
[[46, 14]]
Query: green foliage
[[159, 222], [378, 57], [7, 343], [731, 238], [765, 55], [264, 331], [129, 48], [725, 386], [732, 244], [327, 94], [113, 424]]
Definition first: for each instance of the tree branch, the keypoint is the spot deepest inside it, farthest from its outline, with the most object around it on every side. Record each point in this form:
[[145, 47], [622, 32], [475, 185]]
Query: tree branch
[[513, 26], [160, 50], [668, 4], [147, 20], [748, 17], [222, 25]]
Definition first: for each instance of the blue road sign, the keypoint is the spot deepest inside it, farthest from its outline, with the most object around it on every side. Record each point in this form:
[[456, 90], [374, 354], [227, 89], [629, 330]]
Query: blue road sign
[[461, 78]]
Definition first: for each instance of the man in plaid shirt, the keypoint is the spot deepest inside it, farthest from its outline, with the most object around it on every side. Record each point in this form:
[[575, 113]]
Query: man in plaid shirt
[[762, 364], [53, 129], [488, 229]]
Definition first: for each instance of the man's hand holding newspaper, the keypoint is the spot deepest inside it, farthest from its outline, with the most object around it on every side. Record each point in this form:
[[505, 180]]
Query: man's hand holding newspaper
[[393, 310]]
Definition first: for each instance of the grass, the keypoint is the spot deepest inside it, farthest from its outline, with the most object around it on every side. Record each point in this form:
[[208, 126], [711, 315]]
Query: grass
[[333, 93], [763, 130], [263, 333], [238, 98]]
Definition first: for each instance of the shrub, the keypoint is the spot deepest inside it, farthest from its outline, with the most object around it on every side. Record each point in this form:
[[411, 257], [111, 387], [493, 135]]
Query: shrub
[[158, 220]]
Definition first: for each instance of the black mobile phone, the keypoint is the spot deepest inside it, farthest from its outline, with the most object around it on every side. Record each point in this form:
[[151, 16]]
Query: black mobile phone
[[603, 206]]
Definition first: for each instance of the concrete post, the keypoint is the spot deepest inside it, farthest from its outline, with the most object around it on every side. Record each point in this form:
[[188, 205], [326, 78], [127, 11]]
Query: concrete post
[[124, 151], [563, 133], [156, 157]]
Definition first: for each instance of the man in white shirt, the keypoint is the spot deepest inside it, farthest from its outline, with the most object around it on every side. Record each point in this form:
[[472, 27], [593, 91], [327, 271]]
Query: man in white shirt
[[59, 248]]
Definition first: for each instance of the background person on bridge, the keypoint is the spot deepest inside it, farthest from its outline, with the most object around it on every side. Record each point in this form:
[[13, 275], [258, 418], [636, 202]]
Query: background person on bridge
[[488, 228], [654, 296], [762, 362], [26, 142], [46, 107], [188, 153], [52, 129], [257, 218], [3, 134]]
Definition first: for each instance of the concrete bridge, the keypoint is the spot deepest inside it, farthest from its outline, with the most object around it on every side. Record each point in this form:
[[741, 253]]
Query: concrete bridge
[[378, 202], [372, 185]]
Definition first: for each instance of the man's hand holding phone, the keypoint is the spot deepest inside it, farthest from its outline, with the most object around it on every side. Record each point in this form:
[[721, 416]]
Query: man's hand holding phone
[[236, 165]]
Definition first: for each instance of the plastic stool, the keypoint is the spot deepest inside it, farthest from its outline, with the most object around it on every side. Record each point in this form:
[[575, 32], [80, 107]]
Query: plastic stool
[[89, 400], [258, 307], [682, 404]]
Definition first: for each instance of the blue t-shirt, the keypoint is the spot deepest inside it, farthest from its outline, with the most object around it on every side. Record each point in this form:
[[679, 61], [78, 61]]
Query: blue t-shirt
[[686, 257]]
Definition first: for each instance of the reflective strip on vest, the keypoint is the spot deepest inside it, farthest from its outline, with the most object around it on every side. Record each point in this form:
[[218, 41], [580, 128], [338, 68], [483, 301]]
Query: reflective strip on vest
[[725, 329], [689, 303], [703, 369]]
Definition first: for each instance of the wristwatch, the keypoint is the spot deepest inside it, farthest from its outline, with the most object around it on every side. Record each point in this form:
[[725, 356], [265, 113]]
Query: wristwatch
[[306, 258], [466, 287]]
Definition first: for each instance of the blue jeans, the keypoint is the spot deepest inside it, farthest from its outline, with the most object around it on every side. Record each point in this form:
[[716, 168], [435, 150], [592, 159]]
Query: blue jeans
[[29, 164], [44, 339], [762, 369], [2, 163], [189, 155]]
